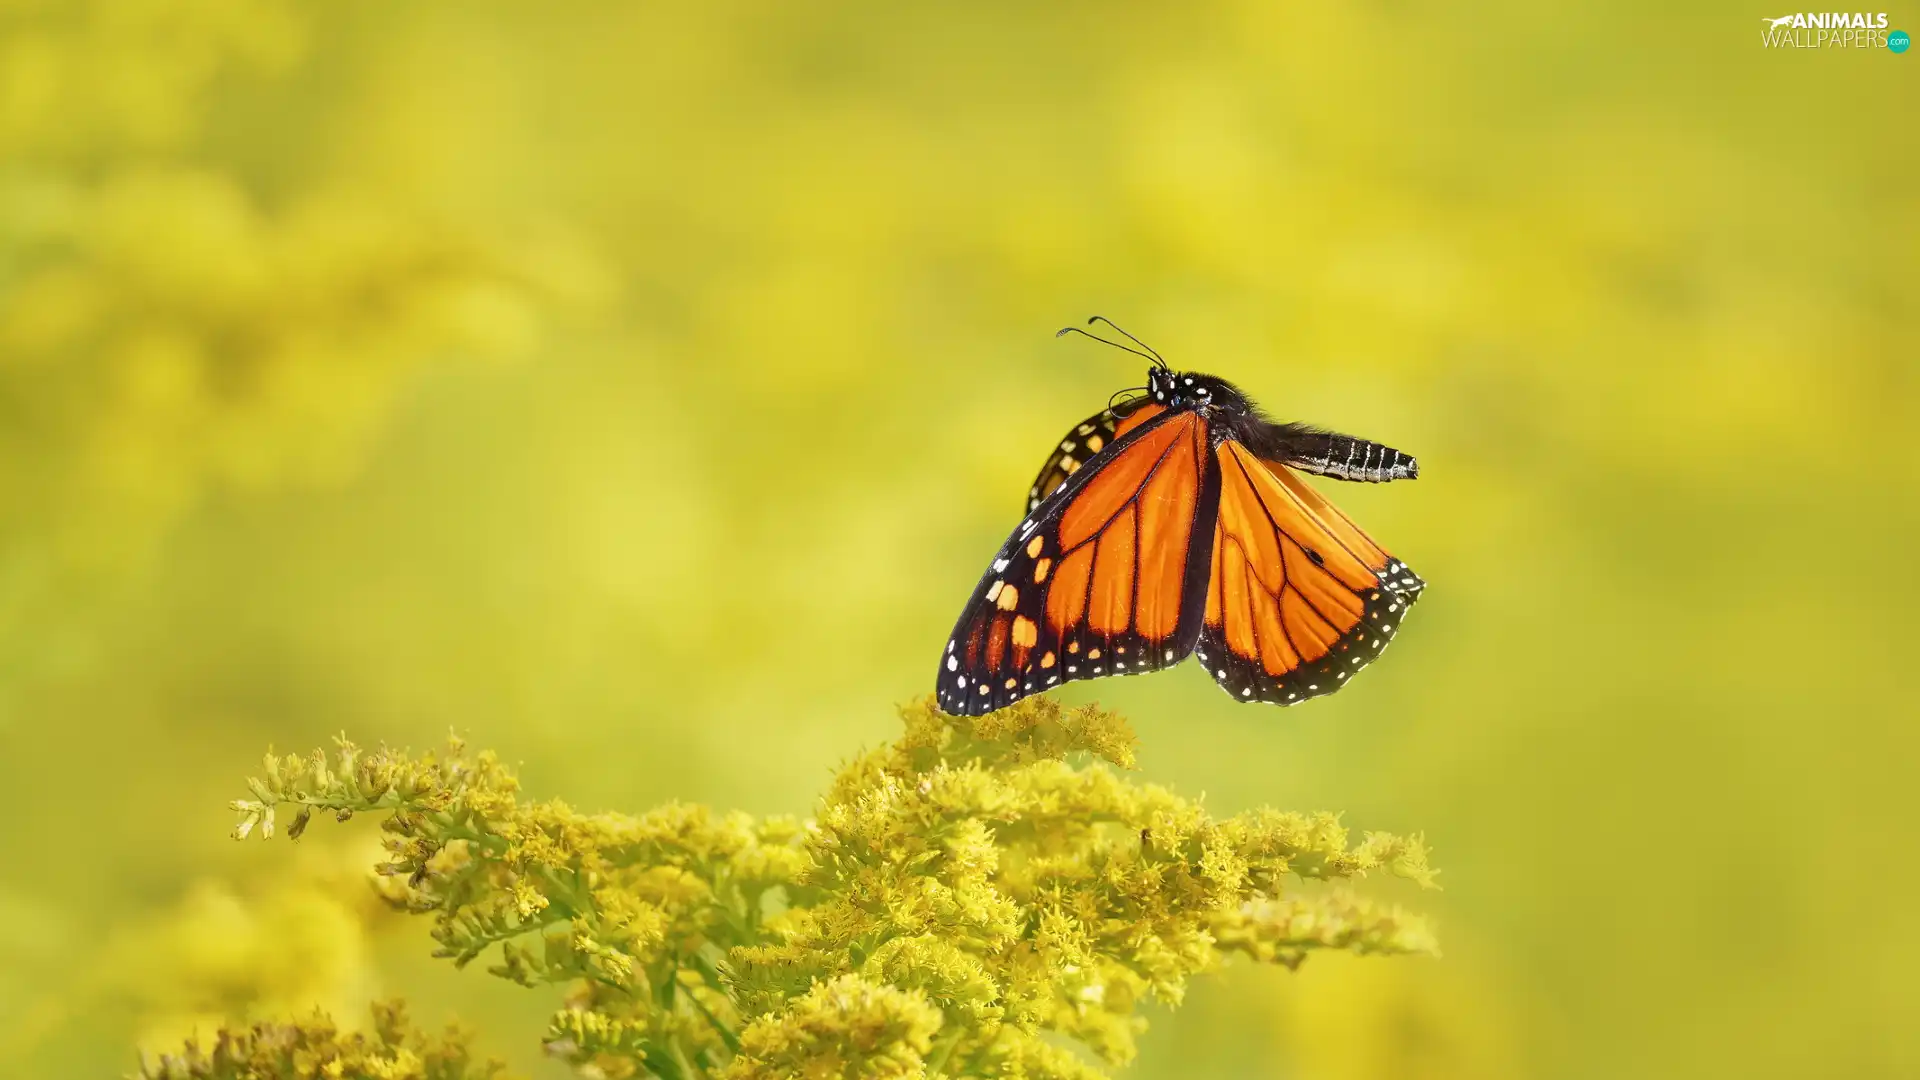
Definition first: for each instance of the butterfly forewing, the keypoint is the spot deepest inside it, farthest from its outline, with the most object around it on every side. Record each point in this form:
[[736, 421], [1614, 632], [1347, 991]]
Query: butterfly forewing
[[1107, 576], [1081, 442], [1298, 598]]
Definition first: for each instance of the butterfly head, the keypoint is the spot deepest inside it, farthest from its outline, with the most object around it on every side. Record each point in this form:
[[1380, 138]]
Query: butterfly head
[[1192, 390]]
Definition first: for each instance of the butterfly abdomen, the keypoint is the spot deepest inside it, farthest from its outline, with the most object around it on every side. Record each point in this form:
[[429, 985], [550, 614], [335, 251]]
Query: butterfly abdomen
[[1327, 453]]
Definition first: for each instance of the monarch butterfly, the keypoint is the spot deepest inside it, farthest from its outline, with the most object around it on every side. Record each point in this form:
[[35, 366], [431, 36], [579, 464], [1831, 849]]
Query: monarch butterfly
[[1176, 523]]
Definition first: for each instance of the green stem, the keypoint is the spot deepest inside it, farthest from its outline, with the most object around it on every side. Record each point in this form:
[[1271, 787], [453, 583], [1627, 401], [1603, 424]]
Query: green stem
[[488, 941], [663, 1061], [726, 1034], [937, 1061]]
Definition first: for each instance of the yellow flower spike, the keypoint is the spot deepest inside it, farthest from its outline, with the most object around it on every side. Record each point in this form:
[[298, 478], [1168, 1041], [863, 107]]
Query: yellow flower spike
[[843, 1027], [527, 900], [956, 895], [314, 1047]]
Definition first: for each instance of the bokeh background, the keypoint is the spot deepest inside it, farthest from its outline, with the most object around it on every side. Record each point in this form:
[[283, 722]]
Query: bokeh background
[[638, 389]]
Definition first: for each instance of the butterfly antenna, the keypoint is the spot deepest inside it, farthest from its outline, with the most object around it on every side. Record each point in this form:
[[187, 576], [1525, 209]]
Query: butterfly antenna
[[1114, 402], [1151, 352], [1065, 330]]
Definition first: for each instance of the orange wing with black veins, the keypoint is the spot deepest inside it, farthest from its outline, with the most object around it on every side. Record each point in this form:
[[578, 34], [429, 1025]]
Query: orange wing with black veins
[[1299, 599], [1106, 577], [1080, 444]]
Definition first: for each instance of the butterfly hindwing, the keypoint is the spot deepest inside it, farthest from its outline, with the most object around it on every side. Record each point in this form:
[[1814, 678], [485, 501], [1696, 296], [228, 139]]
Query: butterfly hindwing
[[1081, 442], [1298, 598], [1107, 576]]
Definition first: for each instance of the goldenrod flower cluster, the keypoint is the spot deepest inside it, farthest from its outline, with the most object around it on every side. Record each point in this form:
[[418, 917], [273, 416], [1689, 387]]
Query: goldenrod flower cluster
[[393, 1050], [983, 897]]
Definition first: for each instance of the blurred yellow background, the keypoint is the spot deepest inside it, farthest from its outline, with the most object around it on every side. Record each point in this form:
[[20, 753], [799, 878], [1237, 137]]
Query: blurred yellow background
[[639, 389]]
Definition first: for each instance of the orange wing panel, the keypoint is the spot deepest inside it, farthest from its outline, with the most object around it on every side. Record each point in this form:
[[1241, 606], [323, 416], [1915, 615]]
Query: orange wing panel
[[1337, 524], [1166, 510], [1299, 598], [1067, 596], [1137, 417], [1113, 576], [1118, 484], [1102, 580]]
